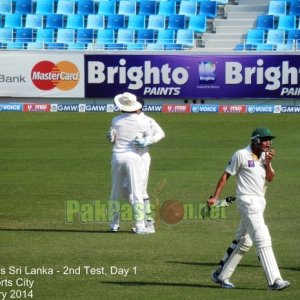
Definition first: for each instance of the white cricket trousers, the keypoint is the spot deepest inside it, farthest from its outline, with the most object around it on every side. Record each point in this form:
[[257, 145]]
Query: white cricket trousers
[[252, 223], [128, 166], [146, 163], [252, 228]]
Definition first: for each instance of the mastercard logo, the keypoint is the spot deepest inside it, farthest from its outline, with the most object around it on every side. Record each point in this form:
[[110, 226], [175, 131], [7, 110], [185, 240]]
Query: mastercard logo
[[46, 75]]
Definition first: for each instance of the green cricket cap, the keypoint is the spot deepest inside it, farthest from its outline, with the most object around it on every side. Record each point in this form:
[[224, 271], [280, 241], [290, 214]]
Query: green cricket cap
[[262, 133]]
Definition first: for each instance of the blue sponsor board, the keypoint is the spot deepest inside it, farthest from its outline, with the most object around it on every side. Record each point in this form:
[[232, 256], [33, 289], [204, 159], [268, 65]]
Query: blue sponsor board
[[152, 108], [188, 76], [92, 107], [11, 107], [290, 109], [95, 107], [260, 109], [64, 107], [199, 108]]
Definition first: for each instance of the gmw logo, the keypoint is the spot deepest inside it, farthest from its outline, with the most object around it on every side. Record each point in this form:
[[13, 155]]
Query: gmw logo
[[47, 75]]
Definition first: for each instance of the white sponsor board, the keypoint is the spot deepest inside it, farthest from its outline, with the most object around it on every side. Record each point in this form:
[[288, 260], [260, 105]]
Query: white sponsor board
[[41, 75]]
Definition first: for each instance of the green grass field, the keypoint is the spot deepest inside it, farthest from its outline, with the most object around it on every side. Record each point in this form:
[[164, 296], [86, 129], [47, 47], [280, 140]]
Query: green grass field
[[48, 159]]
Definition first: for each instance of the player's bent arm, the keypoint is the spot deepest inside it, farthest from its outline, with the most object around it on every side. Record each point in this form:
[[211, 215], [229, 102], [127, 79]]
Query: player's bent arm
[[158, 133], [270, 173], [220, 185]]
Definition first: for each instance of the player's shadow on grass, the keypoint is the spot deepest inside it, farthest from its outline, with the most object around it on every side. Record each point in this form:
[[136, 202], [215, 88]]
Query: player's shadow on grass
[[62, 230], [209, 264], [172, 284]]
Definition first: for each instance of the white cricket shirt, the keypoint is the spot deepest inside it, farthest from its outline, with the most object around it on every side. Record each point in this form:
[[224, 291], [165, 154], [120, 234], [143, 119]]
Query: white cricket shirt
[[127, 127], [250, 172]]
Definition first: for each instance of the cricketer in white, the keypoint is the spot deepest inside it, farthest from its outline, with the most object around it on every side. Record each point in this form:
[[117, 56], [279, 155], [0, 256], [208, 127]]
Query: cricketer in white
[[157, 134], [252, 167], [130, 132]]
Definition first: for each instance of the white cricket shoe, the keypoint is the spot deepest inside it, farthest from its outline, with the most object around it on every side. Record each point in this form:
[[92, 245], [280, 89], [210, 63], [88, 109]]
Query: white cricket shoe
[[145, 230], [114, 227], [279, 284], [223, 283], [150, 226]]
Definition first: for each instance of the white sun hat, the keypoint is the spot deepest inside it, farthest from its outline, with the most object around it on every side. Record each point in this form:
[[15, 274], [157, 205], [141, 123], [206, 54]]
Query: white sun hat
[[127, 102]]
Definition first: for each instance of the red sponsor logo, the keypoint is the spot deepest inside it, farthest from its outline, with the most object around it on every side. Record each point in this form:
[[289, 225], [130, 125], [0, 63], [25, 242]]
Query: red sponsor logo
[[47, 75], [37, 107], [173, 108], [233, 109]]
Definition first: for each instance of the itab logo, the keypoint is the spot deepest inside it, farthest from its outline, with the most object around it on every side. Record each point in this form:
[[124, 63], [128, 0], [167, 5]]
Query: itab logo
[[47, 75]]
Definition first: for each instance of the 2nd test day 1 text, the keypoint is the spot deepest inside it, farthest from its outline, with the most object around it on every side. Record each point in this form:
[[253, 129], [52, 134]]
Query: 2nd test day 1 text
[[66, 270]]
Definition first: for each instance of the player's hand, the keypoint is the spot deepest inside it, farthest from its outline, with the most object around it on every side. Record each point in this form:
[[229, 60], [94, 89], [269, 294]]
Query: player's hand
[[141, 142], [269, 155], [111, 135], [212, 201]]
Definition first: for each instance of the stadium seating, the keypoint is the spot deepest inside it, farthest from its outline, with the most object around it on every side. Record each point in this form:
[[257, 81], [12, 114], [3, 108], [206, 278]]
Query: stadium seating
[[147, 8], [45, 35], [34, 21], [84, 36], [293, 36], [197, 23], [285, 47], [24, 35], [105, 36], [157, 22], [177, 22], [136, 46], [13, 20], [277, 8], [166, 36], [209, 9], [295, 8], [35, 46], [127, 8], [44, 7], [287, 22], [15, 46], [125, 36], [76, 46], [23, 6], [6, 35], [265, 47], [171, 47], [136, 22], [95, 21], [275, 36], [107, 8], [167, 8], [115, 46], [65, 35], [115, 21], [245, 47], [145, 36], [56, 46], [187, 8], [85, 7], [255, 36], [149, 20], [6, 6], [186, 38], [65, 7], [75, 21], [155, 47], [265, 22], [54, 21]]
